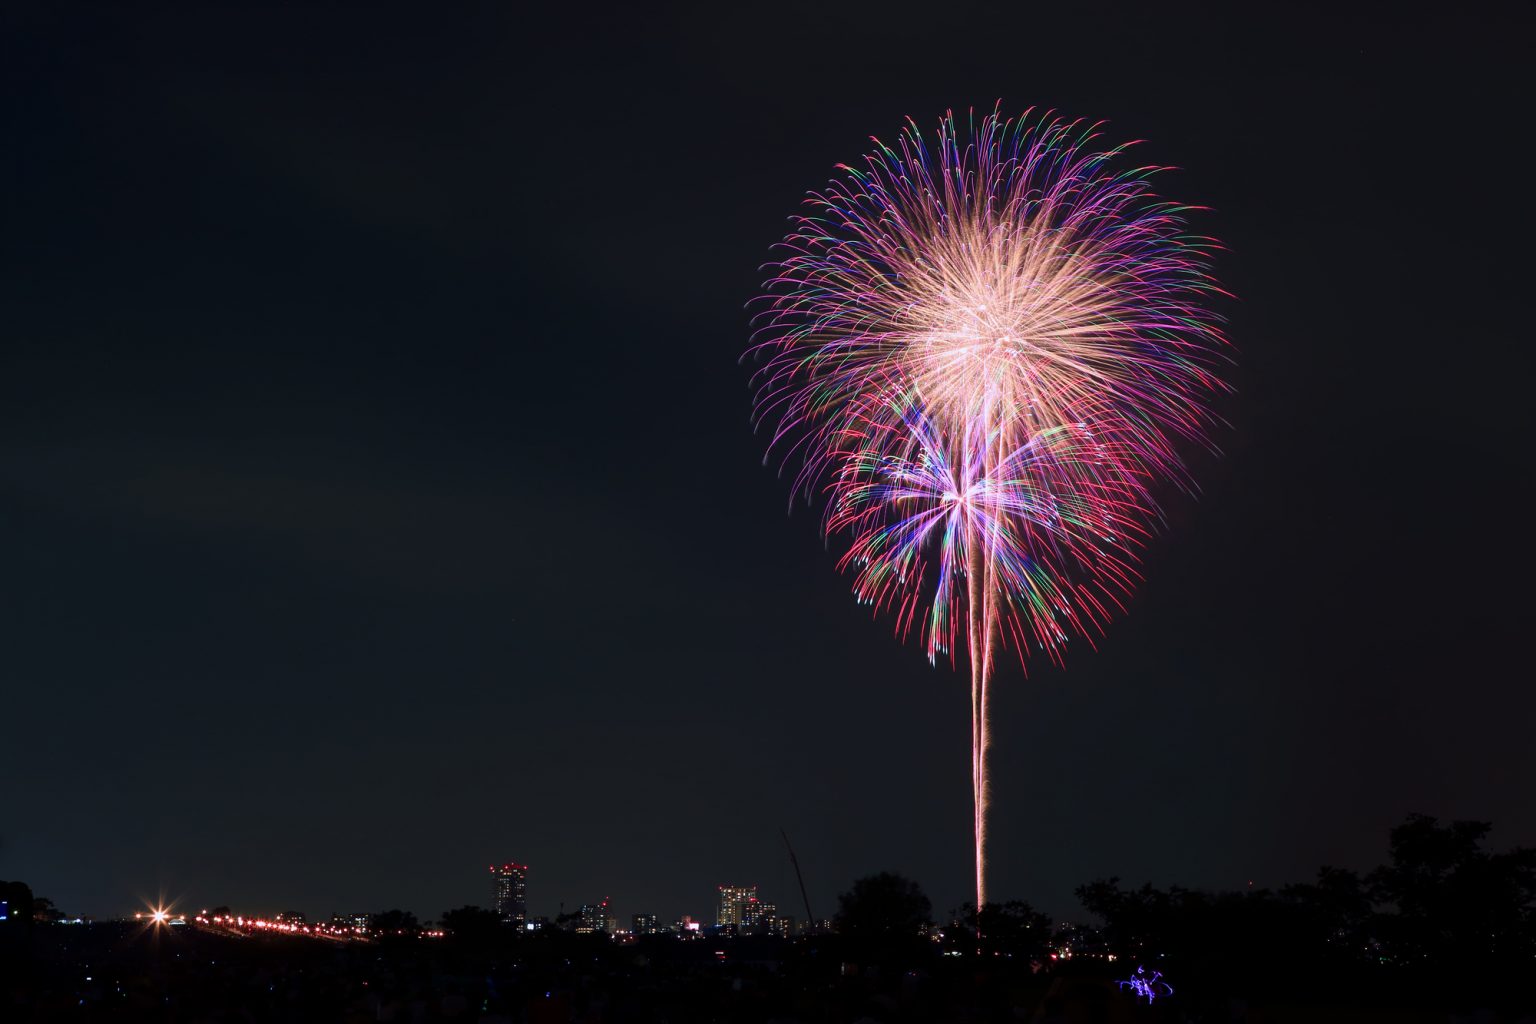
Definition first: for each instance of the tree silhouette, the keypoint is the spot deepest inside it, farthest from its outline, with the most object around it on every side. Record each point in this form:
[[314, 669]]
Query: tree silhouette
[[474, 925], [1444, 915], [1012, 929], [1455, 903], [1333, 915], [44, 911], [883, 915]]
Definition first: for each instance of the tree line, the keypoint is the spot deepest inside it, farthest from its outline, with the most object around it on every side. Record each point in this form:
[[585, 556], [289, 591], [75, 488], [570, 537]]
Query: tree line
[[1443, 909]]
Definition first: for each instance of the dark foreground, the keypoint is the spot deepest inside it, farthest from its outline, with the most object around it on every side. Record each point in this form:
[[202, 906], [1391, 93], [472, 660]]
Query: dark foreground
[[124, 972]]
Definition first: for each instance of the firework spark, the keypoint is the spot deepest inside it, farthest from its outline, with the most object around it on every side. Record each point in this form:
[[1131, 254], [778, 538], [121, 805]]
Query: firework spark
[[986, 355]]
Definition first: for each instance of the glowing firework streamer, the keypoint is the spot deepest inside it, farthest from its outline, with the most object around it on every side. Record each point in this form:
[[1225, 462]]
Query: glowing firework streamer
[[986, 354]]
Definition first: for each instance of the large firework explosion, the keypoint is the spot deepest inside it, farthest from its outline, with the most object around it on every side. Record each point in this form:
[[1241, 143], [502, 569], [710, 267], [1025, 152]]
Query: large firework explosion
[[985, 357]]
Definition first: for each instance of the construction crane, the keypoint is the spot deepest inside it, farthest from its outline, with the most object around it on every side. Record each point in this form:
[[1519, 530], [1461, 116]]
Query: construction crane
[[810, 918]]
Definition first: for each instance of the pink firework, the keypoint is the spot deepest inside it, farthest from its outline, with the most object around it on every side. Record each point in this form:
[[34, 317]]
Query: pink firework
[[988, 355]]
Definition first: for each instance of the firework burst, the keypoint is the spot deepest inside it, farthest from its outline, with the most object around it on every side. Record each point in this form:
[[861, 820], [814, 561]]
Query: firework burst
[[986, 355], [1039, 512]]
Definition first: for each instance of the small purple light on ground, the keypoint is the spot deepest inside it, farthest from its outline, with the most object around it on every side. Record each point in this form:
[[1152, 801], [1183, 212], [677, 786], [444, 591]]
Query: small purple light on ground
[[1149, 985]]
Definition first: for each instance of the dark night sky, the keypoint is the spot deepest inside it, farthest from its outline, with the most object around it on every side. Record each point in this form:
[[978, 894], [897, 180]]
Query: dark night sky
[[379, 498]]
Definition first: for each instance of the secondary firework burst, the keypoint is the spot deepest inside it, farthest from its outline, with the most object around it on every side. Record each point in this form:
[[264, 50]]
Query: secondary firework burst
[[910, 490], [986, 355]]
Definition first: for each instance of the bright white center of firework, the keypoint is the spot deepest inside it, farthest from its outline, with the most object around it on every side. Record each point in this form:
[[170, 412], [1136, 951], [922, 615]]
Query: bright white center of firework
[[970, 352], [1003, 323]]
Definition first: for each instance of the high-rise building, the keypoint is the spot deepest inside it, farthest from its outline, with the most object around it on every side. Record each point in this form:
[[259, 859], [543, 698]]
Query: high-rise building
[[773, 924], [643, 924], [511, 881], [732, 897], [594, 917], [753, 913]]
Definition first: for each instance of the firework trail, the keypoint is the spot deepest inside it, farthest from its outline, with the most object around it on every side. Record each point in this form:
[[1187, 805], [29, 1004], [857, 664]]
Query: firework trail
[[984, 356]]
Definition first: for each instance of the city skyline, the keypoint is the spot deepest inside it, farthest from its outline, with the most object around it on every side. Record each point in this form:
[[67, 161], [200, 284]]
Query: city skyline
[[736, 906]]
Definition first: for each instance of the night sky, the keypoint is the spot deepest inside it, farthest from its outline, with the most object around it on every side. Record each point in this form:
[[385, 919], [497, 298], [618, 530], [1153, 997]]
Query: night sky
[[380, 500]]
